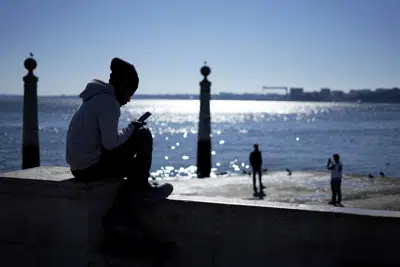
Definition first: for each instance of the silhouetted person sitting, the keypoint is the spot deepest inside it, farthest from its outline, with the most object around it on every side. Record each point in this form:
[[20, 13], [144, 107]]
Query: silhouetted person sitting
[[256, 163], [97, 150], [336, 168]]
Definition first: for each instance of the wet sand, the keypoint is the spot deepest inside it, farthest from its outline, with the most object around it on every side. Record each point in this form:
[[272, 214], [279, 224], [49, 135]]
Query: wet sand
[[301, 187]]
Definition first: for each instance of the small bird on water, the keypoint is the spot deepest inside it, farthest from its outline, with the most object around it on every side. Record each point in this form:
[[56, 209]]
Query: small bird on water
[[289, 171], [370, 176], [381, 174]]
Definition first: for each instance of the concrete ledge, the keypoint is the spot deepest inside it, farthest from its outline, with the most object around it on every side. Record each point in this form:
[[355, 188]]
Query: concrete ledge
[[287, 206], [62, 228], [221, 232], [47, 181], [49, 219]]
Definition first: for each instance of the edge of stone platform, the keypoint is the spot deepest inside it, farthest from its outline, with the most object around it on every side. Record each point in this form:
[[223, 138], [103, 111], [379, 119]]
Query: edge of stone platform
[[287, 206]]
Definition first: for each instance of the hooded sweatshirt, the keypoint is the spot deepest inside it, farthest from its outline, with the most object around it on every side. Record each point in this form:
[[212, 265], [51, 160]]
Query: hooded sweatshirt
[[94, 126]]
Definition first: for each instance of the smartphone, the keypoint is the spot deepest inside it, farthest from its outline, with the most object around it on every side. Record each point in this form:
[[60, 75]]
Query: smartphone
[[144, 117]]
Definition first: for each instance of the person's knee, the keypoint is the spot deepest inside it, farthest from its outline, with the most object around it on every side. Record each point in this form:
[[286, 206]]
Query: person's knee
[[144, 134], [145, 139]]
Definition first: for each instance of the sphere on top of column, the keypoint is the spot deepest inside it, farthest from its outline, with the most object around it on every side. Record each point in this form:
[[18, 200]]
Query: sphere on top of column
[[30, 63], [205, 70]]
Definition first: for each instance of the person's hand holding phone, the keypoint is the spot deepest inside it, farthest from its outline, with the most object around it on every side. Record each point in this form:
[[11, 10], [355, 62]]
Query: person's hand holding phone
[[141, 121], [329, 163], [138, 124]]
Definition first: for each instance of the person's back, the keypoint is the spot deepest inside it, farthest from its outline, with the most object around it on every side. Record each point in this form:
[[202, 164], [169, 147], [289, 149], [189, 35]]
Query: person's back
[[256, 159], [86, 134]]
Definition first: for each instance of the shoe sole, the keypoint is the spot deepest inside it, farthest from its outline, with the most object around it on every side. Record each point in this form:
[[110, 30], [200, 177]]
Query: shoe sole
[[159, 193]]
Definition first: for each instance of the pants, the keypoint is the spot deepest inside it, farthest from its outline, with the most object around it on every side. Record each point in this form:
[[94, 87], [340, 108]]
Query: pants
[[257, 170], [132, 160], [336, 191]]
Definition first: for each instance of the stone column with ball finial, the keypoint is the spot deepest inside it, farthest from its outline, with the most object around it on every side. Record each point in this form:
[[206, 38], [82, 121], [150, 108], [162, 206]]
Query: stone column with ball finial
[[30, 138], [204, 134]]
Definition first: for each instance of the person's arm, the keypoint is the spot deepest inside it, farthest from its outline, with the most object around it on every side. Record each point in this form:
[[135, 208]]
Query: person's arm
[[108, 117], [329, 165]]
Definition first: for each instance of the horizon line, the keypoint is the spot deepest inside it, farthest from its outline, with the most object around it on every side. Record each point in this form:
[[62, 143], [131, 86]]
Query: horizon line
[[195, 94]]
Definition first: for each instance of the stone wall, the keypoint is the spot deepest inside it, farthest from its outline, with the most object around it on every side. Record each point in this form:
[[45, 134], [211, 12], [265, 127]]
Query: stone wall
[[48, 219]]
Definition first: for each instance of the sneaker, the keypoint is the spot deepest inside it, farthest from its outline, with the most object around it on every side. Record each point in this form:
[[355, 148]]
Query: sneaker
[[340, 205], [154, 194], [332, 203]]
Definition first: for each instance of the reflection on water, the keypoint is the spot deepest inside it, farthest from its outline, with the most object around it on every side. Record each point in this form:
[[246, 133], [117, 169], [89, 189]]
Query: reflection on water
[[299, 135], [295, 135]]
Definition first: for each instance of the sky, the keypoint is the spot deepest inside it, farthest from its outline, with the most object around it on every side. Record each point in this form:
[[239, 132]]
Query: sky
[[340, 44]]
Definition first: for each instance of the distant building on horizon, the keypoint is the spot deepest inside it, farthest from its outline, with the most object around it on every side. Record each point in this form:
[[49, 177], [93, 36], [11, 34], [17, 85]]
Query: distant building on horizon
[[325, 93], [296, 93]]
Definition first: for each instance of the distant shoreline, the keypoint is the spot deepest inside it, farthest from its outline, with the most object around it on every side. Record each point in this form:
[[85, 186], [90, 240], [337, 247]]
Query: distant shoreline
[[247, 97]]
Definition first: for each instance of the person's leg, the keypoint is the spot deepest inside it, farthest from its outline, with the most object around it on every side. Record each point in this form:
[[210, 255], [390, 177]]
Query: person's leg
[[116, 223], [123, 161], [333, 189], [339, 191], [99, 171], [136, 157], [141, 144], [261, 193], [91, 174], [132, 159], [254, 180], [260, 178]]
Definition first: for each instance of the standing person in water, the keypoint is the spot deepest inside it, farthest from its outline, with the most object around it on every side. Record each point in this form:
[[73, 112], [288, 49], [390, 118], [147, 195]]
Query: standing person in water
[[256, 163], [336, 168]]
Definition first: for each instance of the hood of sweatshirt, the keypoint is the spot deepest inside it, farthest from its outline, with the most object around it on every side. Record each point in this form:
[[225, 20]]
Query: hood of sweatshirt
[[96, 87]]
